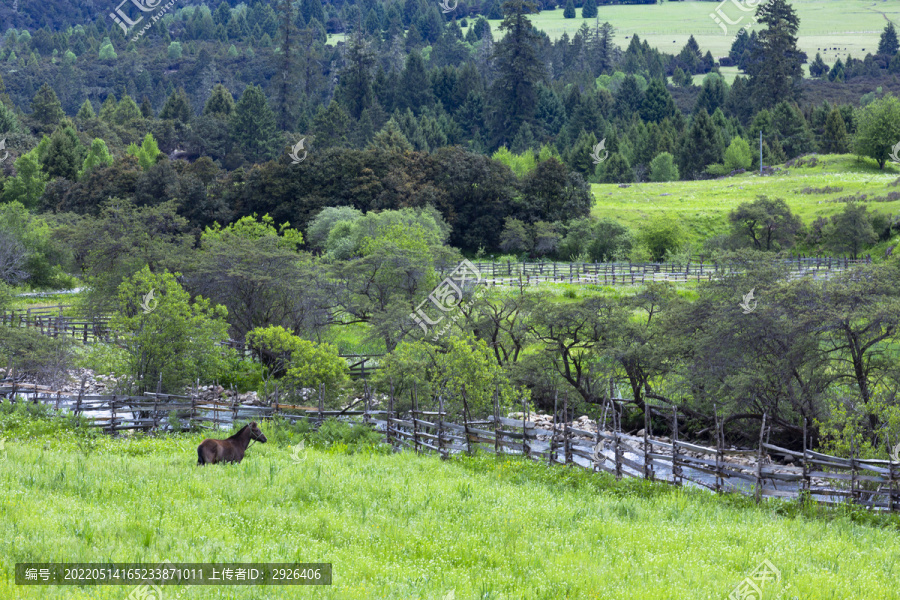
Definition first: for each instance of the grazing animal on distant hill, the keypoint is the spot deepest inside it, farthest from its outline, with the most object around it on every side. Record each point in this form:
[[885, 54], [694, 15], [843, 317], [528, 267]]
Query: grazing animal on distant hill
[[230, 450]]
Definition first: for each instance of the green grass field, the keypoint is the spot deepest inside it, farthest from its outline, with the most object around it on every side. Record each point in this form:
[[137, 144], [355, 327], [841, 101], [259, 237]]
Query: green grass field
[[405, 526], [854, 26], [702, 207]]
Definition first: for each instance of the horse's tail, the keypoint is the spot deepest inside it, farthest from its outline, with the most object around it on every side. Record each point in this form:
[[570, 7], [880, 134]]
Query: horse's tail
[[200, 460]]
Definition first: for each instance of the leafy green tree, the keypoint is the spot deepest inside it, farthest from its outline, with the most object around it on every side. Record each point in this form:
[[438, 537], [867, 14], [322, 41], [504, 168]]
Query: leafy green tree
[[252, 126], [167, 338], [851, 230], [28, 184], [257, 272], [552, 193], [299, 363], [97, 156], [768, 224], [661, 236], [515, 237], [738, 155], [147, 153], [42, 258], [107, 51], [174, 50], [663, 168], [9, 122], [456, 367], [878, 129]]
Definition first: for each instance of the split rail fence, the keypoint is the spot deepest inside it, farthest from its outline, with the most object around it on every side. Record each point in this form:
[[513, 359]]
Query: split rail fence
[[874, 484], [627, 273]]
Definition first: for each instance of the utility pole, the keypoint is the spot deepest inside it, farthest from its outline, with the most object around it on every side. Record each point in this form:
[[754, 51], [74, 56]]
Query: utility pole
[[760, 151]]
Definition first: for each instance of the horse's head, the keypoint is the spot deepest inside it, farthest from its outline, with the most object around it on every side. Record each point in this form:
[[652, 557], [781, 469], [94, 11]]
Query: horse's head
[[256, 433]]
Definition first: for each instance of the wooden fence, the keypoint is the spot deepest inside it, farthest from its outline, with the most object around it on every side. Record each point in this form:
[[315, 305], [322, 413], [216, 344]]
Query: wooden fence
[[874, 484], [628, 273]]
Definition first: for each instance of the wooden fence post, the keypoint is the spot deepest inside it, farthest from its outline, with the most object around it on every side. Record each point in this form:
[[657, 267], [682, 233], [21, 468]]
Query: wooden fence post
[[854, 482], [321, 402], [719, 479], [497, 420], [466, 421], [759, 460], [676, 469], [80, 394], [112, 419], [567, 443], [553, 429], [526, 447], [618, 427], [415, 417], [806, 478], [390, 414], [646, 443], [440, 429]]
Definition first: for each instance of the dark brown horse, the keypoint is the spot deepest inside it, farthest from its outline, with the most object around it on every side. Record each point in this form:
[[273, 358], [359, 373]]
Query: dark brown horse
[[230, 450]]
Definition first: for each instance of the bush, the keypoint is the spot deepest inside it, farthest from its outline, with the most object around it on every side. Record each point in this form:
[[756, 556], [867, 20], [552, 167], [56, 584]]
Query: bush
[[660, 237]]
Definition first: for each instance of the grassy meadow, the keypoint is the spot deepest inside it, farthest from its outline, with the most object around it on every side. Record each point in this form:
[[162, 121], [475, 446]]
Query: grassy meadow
[[407, 526], [702, 207]]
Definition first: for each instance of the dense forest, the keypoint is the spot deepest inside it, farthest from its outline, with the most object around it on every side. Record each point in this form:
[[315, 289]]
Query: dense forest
[[325, 188]]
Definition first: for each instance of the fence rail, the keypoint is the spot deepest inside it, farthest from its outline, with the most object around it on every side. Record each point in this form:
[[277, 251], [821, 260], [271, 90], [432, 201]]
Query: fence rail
[[874, 484]]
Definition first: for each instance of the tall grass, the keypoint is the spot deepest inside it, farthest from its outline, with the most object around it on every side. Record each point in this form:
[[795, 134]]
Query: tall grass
[[407, 526]]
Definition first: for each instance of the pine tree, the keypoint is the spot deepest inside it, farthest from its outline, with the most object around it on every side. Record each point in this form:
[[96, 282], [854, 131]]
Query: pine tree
[[355, 87], [589, 9], [146, 108], [391, 138], [9, 122], [519, 71], [86, 112], [63, 155], [818, 67], [331, 125], [220, 103], [888, 44], [415, 87], [285, 79], [126, 111], [252, 126], [775, 68], [108, 109], [835, 139], [700, 147], [177, 107], [569, 12], [658, 103], [46, 108]]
